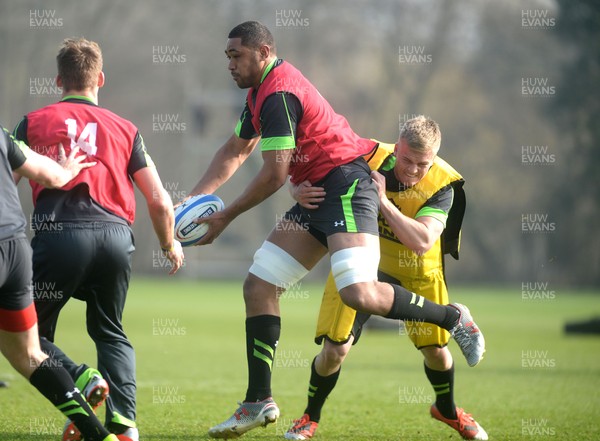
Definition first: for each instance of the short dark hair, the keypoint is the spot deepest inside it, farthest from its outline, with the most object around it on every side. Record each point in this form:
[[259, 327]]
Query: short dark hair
[[79, 63], [253, 35]]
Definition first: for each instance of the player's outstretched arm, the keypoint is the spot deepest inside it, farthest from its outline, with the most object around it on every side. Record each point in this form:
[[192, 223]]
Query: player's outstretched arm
[[49, 173], [160, 209], [271, 177], [224, 164]]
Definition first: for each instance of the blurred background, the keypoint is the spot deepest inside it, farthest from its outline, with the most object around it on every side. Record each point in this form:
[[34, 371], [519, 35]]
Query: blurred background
[[513, 85]]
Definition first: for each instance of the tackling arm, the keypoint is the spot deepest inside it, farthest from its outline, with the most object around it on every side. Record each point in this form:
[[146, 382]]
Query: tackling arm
[[307, 195], [417, 234], [49, 173]]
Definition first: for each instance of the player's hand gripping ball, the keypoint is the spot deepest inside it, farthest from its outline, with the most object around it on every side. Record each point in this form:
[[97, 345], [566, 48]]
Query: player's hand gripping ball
[[203, 205]]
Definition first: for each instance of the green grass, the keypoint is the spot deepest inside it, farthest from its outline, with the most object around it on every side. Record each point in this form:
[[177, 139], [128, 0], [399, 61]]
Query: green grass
[[191, 378]]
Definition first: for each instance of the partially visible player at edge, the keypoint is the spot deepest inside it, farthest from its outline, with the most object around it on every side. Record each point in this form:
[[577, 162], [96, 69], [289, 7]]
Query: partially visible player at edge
[[302, 137], [89, 256], [19, 341], [422, 206]]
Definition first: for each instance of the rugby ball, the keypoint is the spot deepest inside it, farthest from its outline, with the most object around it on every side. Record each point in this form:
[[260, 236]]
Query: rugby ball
[[187, 232]]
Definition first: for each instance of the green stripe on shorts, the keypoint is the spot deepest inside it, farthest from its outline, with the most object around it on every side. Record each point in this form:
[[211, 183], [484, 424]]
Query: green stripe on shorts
[[347, 208]]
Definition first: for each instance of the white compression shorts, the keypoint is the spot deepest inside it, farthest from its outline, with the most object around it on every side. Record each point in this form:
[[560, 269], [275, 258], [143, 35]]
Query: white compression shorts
[[354, 265], [276, 266]]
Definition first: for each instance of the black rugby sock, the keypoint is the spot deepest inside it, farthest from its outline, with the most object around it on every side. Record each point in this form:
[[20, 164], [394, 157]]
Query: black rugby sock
[[57, 386], [443, 385], [410, 306], [262, 335], [319, 389]]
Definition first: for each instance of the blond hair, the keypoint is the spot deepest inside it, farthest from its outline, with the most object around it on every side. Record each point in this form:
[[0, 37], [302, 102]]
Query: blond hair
[[79, 63], [422, 134]]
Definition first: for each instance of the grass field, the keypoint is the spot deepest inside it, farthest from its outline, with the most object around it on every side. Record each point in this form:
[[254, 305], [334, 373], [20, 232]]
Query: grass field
[[535, 382]]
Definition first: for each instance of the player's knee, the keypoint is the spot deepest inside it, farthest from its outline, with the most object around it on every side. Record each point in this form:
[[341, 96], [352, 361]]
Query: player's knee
[[330, 359], [253, 288], [350, 298], [355, 265], [357, 297], [439, 359], [334, 355], [275, 266]]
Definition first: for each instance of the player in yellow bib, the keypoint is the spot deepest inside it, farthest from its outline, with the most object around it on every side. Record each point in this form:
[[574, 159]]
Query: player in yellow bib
[[422, 207]]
